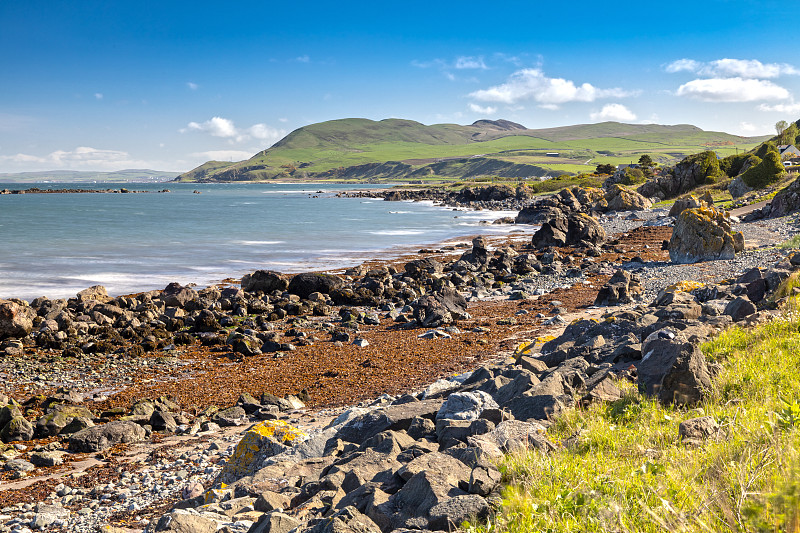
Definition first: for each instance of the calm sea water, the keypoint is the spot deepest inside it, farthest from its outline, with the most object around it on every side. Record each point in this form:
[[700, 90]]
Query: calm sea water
[[57, 244]]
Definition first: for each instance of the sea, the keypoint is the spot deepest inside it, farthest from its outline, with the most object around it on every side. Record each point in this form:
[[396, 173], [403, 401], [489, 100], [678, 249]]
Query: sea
[[55, 245]]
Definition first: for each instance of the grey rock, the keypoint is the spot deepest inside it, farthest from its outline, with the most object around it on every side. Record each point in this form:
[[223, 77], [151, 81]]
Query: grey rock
[[98, 438], [672, 369]]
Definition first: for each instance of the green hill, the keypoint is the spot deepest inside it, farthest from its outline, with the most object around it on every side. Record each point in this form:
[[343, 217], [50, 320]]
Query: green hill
[[83, 176], [341, 149]]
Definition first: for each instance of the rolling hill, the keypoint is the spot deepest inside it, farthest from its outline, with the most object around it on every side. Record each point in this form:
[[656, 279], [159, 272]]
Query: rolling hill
[[357, 149], [82, 176]]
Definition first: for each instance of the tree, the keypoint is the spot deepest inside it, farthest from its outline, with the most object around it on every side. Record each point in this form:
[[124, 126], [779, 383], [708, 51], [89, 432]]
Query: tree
[[646, 161], [780, 126], [789, 135], [604, 168]]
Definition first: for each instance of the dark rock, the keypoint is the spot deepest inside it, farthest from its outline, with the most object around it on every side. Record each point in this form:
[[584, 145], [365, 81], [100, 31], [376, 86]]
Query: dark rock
[[394, 417], [622, 288], [17, 429], [305, 284], [740, 308], [672, 368], [451, 513], [265, 281]]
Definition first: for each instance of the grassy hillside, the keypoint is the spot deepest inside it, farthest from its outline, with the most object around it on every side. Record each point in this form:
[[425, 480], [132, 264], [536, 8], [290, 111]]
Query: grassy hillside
[[624, 467], [319, 151]]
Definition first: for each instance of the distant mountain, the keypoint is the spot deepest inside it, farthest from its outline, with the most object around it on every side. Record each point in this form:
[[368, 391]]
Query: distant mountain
[[396, 149], [81, 176]]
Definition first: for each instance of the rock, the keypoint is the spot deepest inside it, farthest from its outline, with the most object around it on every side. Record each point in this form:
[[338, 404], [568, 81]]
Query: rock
[[59, 416], [689, 202], [347, 520], [423, 267], [176, 295], [451, 513], [261, 442], [510, 436], [305, 284], [740, 308], [672, 368], [246, 345], [232, 416], [786, 201], [47, 515], [98, 438], [465, 406], [621, 199], [266, 281], [569, 230], [46, 458], [18, 465], [16, 319], [410, 506], [275, 522], [185, 521], [96, 293], [622, 288], [738, 187], [440, 308], [18, 428], [698, 429], [703, 234], [394, 417]]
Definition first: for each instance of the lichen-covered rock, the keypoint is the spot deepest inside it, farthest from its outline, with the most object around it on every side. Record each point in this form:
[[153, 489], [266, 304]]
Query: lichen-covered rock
[[690, 202], [621, 199], [260, 442], [704, 234], [16, 319], [18, 428]]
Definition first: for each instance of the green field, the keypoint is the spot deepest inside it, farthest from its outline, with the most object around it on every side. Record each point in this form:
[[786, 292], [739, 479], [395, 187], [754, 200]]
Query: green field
[[327, 149]]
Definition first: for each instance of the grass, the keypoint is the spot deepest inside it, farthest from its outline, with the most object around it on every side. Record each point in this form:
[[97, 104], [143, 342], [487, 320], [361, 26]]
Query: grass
[[626, 469]]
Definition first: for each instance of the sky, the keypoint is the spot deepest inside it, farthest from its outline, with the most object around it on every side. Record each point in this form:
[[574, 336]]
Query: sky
[[168, 85]]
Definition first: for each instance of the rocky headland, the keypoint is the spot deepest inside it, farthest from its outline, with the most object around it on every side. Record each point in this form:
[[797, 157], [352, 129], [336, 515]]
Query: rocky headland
[[377, 399]]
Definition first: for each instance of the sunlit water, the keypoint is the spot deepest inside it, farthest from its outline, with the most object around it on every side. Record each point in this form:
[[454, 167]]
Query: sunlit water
[[57, 244]]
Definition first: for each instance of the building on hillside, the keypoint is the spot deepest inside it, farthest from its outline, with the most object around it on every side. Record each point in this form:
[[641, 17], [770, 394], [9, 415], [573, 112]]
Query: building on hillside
[[788, 151], [630, 166]]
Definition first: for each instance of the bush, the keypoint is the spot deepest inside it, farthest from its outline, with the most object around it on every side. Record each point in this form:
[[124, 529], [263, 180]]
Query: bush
[[765, 148], [769, 171], [733, 164], [632, 176]]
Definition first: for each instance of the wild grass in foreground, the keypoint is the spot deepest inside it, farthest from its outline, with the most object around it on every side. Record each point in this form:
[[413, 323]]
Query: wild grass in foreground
[[623, 466]]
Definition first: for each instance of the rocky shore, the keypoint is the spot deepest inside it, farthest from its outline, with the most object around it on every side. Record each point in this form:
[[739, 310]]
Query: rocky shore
[[228, 408], [37, 190]]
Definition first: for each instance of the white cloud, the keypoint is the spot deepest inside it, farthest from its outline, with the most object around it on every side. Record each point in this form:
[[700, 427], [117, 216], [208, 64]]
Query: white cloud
[[616, 112], [303, 59], [532, 84], [192, 86], [98, 96], [732, 90], [466, 62], [750, 129], [224, 155], [739, 68], [81, 158], [283, 120], [790, 108], [683, 64], [488, 110], [226, 129]]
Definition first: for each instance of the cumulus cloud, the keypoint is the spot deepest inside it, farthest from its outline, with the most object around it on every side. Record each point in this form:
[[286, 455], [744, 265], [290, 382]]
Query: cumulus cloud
[[303, 59], [226, 129], [532, 84], [727, 67], [790, 108], [82, 157], [732, 90], [191, 85], [488, 110], [466, 62], [616, 112], [98, 96]]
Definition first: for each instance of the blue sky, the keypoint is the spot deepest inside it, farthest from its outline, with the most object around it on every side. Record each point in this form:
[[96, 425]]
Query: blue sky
[[168, 85]]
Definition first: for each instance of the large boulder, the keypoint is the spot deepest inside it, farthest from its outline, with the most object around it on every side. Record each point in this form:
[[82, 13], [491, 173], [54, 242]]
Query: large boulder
[[434, 310], [98, 438], [621, 199], [16, 319], [690, 202], [305, 284], [264, 281], [176, 295], [785, 202], [704, 234], [569, 230], [738, 187], [672, 368], [95, 293]]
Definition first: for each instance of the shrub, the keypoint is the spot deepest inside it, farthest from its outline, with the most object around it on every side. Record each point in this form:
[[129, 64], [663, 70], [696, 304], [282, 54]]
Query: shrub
[[765, 148], [632, 176], [733, 164], [769, 171]]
